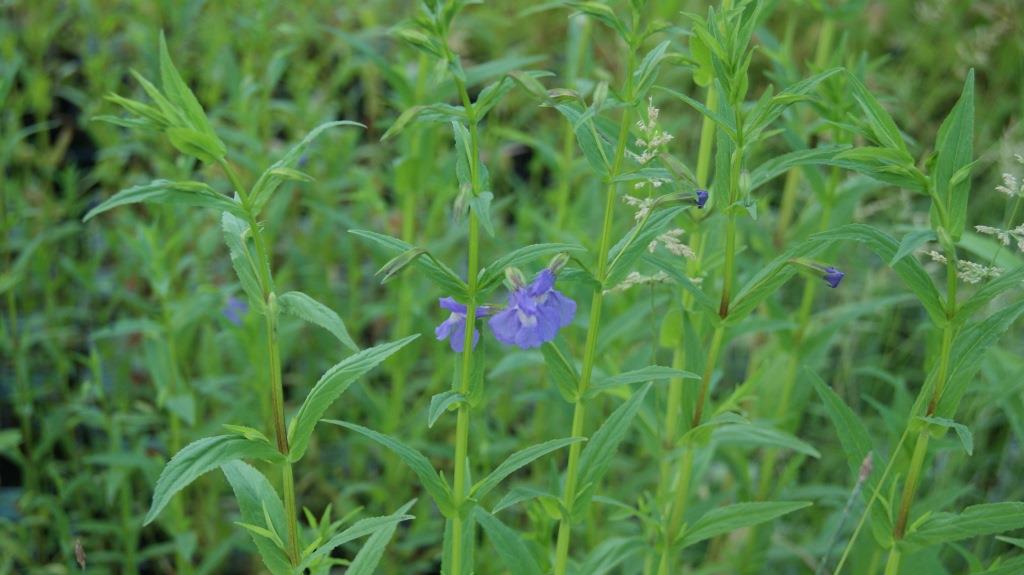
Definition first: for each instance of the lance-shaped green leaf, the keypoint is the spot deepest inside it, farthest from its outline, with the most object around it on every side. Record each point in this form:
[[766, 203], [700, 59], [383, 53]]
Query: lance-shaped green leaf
[[988, 292], [880, 123], [624, 254], [737, 516], [417, 462], [243, 259], [517, 461], [722, 121], [769, 278], [561, 371], [331, 385], [490, 276], [257, 500], [985, 519], [755, 435], [179, 94], [306, 308], [361, 528], [511, 548], [969, 349], [642, 375], [768, 110], [441, 402], [940, 425], [954, 155], [779, 165], [909, 269], [911, 242], [365, 562], [853, 435], [442, 275], [199, 457], [281, 170], [168, 192], [600, 450]]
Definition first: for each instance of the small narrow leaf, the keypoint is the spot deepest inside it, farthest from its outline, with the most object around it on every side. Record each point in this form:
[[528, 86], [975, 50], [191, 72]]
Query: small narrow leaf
[[360, 528], [985, 519], [511, 548], [168, 192], [602, 446], [365, 562], [737, 516], [962, 432], [440, 403], [518, 460], [255, 496], [306, 308]]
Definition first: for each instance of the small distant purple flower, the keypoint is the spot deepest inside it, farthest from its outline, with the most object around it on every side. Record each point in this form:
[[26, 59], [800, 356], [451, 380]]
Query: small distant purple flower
[[702, 198], [454, 328], [235, 310], [833, 276], [534, 314]]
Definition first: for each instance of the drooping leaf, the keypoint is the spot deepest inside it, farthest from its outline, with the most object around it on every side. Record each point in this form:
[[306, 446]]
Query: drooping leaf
[[331, 385], [962, 431], [168, 192], [417, 462], [366, 560], [243, 259], [199, 457], [306, 308], [442, 275], [561, 371], [440, 403]]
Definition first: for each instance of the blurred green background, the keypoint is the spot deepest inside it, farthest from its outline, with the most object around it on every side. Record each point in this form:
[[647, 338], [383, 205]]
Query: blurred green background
[[115, 351]]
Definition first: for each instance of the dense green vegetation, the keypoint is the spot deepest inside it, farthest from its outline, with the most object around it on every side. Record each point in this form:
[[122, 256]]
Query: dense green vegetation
[[746, 279]]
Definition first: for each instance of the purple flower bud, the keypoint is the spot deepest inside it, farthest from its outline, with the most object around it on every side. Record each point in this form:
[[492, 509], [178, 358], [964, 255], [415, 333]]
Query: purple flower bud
[[534, 314], [702, 198], [833, 276], [454, 328], [235, 310]]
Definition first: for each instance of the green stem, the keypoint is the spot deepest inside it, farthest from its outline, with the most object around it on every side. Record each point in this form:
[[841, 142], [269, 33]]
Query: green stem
[[590, 349], [265, 273], [921, 446]]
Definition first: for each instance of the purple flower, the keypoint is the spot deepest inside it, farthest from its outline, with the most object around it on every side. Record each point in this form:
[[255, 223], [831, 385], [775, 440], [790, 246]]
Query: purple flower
[[833, 276], [235, 310], [702, 198], [534, 314], [454, 328]]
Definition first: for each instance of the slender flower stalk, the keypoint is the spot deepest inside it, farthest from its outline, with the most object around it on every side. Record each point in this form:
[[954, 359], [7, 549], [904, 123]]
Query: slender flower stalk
[[466, 369], [680, 486], [590, 347]]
